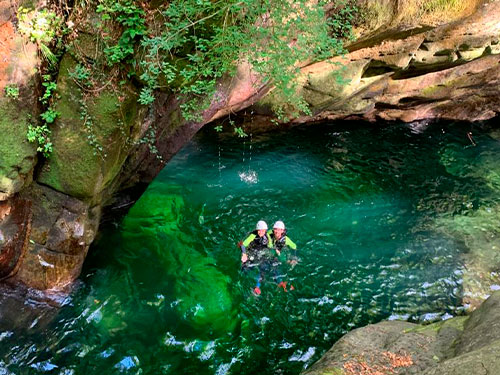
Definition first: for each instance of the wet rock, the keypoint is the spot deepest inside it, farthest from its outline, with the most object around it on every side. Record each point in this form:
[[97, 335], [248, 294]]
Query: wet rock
[[373, 345], [15, 226], [456, 346], [482, 328], [19, 312], [62, 230]]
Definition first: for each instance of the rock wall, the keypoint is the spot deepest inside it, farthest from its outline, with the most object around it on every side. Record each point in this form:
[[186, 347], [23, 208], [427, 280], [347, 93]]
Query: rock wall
[[106, 146], [407, 73]]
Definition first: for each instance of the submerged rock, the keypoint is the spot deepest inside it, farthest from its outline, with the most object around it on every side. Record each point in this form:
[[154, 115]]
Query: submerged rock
[[200, 292], [476, 227]]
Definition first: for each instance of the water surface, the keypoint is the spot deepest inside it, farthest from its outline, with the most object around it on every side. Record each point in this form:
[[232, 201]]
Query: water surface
[[369, 207]]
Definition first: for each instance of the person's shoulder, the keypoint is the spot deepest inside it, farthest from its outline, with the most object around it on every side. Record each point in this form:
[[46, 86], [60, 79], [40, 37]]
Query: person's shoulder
[[289, 241]]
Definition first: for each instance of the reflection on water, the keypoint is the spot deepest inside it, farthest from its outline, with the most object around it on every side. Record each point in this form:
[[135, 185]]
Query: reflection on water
[[382, 217]]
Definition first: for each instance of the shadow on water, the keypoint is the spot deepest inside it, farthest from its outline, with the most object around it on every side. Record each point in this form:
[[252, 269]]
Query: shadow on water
[[162, 290]]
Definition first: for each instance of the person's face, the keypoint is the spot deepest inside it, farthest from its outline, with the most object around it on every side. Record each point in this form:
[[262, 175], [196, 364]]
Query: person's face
[[278, 232], [261, 232]]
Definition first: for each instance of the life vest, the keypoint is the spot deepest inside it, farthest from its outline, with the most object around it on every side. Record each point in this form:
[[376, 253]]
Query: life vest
[[259, 243], [279, 244]]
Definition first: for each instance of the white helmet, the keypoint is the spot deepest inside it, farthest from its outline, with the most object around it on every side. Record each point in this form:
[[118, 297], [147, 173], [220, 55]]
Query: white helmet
[[261, 224], [279, 225]]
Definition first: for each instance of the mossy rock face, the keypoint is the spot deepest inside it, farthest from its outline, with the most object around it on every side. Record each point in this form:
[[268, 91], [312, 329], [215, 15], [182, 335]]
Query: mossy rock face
[[90, 145], [17, 155], [481, 361], [326, 85], [414, 347], [17, 71]]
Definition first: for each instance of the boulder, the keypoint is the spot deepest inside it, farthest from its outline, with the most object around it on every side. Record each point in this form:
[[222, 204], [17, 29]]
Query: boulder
[[461, 345], [63, 228]]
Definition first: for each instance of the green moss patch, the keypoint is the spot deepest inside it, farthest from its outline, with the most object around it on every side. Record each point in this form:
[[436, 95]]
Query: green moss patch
[[91, 137], [17, 156]]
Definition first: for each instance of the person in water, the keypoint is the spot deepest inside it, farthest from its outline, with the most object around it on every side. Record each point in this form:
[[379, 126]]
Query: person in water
[[255, 251], [284, 247], [280, 241]]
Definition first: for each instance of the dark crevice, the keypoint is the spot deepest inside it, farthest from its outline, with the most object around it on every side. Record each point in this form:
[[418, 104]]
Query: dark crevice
[[382, 106], [415, 69], [392, 34], [376, 68], [444, 52], [423, 47], [412, 101], [463, 47], [408, 103]]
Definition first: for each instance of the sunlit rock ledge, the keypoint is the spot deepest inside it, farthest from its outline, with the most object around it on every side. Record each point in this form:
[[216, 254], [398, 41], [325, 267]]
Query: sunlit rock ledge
[[460, 345], [409, 74]]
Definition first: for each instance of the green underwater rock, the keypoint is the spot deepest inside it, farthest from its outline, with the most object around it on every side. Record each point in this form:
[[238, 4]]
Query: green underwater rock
[[476, 226], [200, 292]]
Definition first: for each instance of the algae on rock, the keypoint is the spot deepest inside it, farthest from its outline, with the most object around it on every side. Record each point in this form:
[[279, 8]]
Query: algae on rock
[[17, 156], [153, 233], [92, 137]]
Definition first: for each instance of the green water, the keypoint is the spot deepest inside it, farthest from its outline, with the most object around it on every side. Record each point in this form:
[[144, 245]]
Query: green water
[[372, 209]]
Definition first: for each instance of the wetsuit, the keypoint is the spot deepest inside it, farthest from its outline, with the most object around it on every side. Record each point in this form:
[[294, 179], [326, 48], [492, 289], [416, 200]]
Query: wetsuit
[[257, 248], [259, 254], [281, 243]]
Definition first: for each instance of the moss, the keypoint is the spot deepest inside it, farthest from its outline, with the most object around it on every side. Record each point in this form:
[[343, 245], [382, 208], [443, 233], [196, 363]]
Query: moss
[[435, 328], [428, 329], [78, 166], [457, 323], [17, 155]]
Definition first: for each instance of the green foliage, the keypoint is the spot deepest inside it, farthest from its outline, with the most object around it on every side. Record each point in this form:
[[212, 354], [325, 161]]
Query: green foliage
[[128, 14], [41, 135], [81, 75], [49, 116], [239, 131], [195, 42], [88, 123], [12, 91], [146, 97], [150, 139], [41, 27], [50, 88]]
